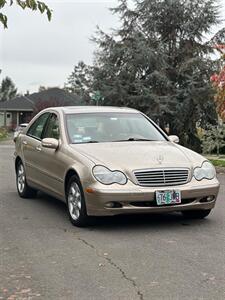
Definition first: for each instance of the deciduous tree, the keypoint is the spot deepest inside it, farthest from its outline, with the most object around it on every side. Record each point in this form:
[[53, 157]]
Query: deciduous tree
[[29, 4], [218, 80]]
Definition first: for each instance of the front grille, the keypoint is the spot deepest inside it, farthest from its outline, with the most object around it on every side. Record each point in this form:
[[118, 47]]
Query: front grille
[[162, 177]]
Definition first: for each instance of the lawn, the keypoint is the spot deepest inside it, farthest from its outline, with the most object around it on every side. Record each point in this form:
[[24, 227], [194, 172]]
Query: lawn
[[218, 162]]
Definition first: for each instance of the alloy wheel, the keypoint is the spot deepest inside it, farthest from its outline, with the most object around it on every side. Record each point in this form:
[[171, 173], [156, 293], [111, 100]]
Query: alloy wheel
[[74, 201], [21, 180]]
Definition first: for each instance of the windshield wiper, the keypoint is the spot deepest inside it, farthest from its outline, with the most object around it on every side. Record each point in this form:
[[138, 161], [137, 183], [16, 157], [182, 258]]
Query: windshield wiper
[[88, 142], [133, 139]]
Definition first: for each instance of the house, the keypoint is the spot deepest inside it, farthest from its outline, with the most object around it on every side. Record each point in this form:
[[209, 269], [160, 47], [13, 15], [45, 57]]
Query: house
[[22, 108]]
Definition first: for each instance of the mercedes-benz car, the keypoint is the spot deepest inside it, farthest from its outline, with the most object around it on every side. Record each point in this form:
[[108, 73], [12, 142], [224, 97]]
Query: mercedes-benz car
[[105, 161]]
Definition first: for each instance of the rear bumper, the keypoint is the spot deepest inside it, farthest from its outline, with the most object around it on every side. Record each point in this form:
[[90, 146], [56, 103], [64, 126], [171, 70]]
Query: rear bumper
[[135, 199]]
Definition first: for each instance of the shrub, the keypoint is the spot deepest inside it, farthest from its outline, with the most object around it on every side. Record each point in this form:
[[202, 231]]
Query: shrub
[[3, 133], [213, 139]]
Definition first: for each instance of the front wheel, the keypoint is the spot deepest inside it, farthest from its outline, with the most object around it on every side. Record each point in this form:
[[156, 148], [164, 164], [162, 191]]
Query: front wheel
[[196, 214], [76, 203], [23, 189]]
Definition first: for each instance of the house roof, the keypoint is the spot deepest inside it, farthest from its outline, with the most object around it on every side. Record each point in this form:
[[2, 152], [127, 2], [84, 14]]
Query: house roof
[[21, 103], [50, 97], [56, 94]]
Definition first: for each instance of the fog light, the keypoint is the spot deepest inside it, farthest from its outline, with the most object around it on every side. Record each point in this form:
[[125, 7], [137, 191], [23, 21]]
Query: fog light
[[210, 198], [113, 205], [109, 205], [207, 199]]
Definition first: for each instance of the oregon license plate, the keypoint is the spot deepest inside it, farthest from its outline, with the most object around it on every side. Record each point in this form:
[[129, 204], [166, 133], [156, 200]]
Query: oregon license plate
[[168, 197]]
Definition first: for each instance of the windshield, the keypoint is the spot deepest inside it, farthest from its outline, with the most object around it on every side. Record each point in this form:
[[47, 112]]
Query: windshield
[[110, 127]]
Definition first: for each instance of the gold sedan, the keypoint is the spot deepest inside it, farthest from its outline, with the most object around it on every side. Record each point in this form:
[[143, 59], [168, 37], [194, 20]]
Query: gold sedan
[[108, 161]]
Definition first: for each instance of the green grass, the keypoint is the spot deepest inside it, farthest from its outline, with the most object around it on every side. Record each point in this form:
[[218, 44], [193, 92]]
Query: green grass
[[218, 162], [3, 134]]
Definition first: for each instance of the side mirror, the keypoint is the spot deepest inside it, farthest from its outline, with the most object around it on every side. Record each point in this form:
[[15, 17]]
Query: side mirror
[[50, 143], [174, 139], [15, 137]]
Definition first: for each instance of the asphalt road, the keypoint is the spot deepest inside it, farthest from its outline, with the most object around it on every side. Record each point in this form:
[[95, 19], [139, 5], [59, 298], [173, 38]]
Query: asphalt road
[[42, 256]]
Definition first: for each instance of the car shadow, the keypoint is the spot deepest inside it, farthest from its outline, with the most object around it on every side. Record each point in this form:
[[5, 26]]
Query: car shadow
[[151, 221], [114, 223]]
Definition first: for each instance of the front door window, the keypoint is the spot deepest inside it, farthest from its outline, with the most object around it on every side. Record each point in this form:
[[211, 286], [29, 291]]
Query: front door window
[[37, 127], [52, 128]]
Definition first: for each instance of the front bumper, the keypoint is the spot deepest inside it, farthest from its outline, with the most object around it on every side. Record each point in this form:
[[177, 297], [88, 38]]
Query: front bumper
[[132, 198]]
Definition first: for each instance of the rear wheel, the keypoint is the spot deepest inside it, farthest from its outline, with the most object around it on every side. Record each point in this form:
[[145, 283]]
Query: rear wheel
[[76, 203], [22, 187], [196, 214]]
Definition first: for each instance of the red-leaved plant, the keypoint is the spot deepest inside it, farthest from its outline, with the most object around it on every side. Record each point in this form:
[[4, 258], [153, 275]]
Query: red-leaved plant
[[218, 81]]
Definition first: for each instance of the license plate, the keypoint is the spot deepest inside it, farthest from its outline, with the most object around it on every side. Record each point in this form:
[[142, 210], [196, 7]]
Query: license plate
[[168, 197]]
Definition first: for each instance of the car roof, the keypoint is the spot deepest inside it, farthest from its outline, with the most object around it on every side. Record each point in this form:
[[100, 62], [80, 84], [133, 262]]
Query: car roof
[[93, 109]]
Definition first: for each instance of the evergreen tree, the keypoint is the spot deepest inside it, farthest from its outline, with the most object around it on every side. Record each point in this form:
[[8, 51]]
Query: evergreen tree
[[7, 89], [159, 63], [79, 81]]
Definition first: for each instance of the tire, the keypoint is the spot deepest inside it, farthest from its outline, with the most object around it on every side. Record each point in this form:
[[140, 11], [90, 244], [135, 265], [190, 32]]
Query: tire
[[76, 203], [196, 214], [23, 189]]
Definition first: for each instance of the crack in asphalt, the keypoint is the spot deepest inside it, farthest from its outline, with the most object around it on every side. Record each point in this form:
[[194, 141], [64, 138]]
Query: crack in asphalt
[[114, 265]]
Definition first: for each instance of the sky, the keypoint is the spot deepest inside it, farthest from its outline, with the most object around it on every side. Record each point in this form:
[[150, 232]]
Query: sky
[[35, 52]]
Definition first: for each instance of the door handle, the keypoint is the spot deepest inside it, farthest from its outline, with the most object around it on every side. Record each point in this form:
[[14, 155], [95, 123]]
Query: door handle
[[38, 148], [25, 142]]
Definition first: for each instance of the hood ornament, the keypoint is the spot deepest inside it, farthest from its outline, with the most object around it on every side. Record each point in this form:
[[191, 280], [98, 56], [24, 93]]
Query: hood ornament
[[160, 159]]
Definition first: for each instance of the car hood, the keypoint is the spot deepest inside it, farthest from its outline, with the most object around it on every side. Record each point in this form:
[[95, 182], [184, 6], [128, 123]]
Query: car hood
[[139, 155]]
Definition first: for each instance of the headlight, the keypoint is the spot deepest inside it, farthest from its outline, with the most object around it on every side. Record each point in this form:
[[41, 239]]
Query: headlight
[[106, 176], [206, 171]]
